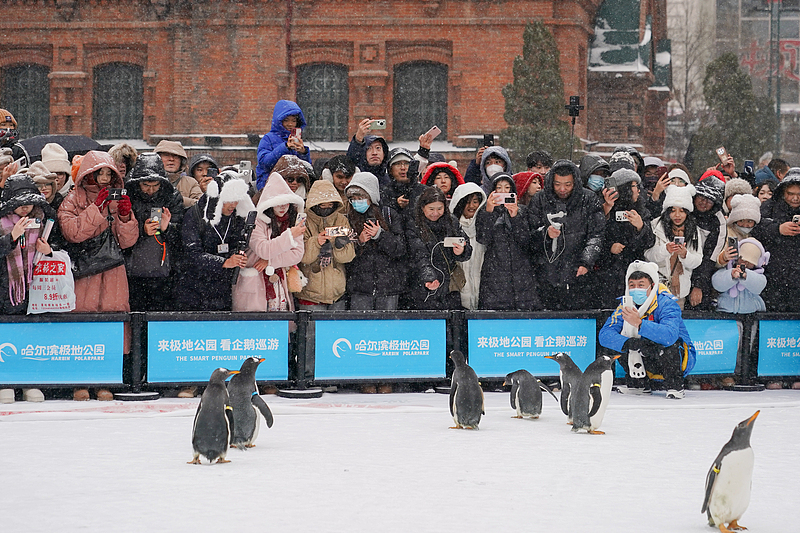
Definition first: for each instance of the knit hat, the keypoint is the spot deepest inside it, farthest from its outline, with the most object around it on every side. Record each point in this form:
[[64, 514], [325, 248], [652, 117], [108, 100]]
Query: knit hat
[[713, 173], [621, 160], [679, 173], [712, 188], [745, 207], [6, 116], [524, 180], [679, 197], [170, 147], [201, 158], [55, 158], [399, 154], [369, 183], [753, 252], [623, 176], [39, 173], [737, 186], [234, 189]]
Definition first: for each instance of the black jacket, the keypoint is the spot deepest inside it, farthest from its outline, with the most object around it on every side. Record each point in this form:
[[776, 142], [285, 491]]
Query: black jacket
[[582, 229], [357, 152], [784, 261], [379, 267]]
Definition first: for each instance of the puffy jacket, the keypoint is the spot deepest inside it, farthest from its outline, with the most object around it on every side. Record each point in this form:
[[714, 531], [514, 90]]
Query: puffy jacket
[[325, 285], [273, 144], [582, 229], [357, 152], [379, 267], [784, 250]]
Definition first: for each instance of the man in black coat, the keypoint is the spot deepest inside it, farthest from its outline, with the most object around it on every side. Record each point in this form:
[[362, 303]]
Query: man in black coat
[[566, 223]]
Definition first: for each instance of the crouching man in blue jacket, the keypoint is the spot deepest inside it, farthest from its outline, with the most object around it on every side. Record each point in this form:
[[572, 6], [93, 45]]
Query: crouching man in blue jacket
[[648, 330]]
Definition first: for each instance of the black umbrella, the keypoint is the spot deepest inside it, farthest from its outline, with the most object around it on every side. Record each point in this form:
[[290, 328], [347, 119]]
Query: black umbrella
[[73, 144]]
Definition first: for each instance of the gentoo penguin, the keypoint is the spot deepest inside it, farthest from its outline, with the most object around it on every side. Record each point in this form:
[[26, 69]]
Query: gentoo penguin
[[466, 395], [526, 393], [213, 421], [589, 398], [247, 404], [569, 373], [729, 479]]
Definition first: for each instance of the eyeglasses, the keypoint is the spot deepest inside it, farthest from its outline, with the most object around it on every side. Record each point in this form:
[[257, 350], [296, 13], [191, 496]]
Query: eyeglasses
[[292, 179]]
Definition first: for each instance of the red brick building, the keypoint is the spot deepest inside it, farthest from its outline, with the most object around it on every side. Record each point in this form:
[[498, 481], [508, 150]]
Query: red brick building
[[199, 69]]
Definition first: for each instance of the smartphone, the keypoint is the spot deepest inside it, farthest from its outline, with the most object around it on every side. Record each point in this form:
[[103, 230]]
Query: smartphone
[[733, 243], [155, 214], [116, 194], [450, 241], [372, 221], [749, 166], [20, 162], [611, 184], [378, 124], [722, 153], [212, 172], [621, 216], [506, 197], [796, 219], [337, 232], [678, 240], [245, 167], [433, 132], [301, 217], [488, 139], [627, 301], [298, 133], [660, 171], [34, 223]]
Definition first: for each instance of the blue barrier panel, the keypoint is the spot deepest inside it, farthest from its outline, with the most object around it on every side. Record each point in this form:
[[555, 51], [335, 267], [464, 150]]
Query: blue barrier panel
[[190, 351], [716, 343], [779, 348], [43, 353], [498, 347], [379, 349]]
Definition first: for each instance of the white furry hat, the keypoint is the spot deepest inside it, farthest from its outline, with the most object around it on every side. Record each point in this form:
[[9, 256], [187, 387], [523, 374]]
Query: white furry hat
[[745, 207], [234, 189], [679, 197]]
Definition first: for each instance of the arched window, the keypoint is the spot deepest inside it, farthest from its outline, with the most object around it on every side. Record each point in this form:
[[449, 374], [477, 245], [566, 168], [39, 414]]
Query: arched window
[[323, 95], [26, 93], [118, 101], [420, 99]]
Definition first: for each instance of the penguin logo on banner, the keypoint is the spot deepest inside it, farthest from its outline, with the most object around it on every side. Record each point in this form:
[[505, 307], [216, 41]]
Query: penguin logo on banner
[[3, 347], [336, 347]]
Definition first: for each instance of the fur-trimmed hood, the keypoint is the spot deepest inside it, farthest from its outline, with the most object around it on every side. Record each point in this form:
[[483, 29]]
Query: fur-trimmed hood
[[276, 192], [435, 168]]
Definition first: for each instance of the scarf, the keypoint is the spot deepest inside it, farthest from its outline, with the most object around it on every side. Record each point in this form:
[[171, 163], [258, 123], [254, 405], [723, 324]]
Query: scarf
[[19, 262]]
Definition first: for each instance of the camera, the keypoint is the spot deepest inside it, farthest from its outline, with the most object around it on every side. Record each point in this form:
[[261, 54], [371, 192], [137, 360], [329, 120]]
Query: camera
[[155, 214], [621, 216], [378, 124], [339, 231], [506, 197], [450, 241], [116, 194]]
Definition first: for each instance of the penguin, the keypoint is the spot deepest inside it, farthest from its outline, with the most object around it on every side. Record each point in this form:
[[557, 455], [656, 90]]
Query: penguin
[[729, 479], [569, 373], [466, 395], [213, 421], [589, 399], [247, 405], [526, 393]]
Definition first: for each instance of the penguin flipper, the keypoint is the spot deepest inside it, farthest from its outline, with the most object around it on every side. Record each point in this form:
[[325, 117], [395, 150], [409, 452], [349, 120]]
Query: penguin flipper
[[196, 414], [483, 405], [565, 390], [514, 389], [229, 415], [548, 389], [262, 406], [711, 478], [597, 399], [453, 389]]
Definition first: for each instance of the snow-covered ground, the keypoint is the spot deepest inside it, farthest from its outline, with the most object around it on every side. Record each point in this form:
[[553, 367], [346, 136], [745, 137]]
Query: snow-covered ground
[[353, 462]]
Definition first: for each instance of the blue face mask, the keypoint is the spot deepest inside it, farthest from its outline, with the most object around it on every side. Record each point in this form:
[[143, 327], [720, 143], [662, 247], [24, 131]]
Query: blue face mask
[[360, 205], [638, 295], [596, 182]]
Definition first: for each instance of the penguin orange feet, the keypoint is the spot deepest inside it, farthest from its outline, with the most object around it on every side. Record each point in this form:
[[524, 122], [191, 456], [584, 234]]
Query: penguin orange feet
[[724, 529], [459, 426], [517, 417], [221, 460], [195, 461], [596, 432], [734, 526], [250, 446]]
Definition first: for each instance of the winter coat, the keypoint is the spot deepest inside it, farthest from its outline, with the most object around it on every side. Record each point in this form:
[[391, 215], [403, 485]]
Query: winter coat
[[582, 230], [471, 267], [379, 267], [146, 169], [662, 324], [204, 285], [589, 164], [431, 260], [477, 173], [784, 261], [357, 152], [765, 174], [394, 190], [325, 285], [713, 226], [187, 187], [658, 254], [273, 144], [282, 251], [747, 300], [507, 279], [80, 219]]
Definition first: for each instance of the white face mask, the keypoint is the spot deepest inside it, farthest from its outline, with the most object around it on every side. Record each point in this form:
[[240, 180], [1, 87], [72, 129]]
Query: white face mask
[[491, 170]]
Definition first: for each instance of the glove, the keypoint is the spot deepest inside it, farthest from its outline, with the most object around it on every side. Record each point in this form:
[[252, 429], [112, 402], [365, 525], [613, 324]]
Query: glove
[[102, 198], [341, 242], [124, 206], [326, 255]]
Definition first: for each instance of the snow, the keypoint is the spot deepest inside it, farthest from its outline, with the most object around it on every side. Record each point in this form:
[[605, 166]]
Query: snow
[[353, 462]]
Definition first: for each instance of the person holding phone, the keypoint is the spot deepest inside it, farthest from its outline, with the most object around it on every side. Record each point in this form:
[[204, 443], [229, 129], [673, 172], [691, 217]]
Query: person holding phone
[[508, 282], [742, 280], [709, 218], [444, 176], [467, 200], [281, 139], [202, 168], [9, 138], [679, 243]]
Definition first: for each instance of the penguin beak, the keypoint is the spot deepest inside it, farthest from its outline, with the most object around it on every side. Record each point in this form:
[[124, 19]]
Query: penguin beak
[[261, 360], [615, 357], [753, 418], [549, 357]]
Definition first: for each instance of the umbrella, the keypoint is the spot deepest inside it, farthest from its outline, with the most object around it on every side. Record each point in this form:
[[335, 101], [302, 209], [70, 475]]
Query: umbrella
[[73, 144]]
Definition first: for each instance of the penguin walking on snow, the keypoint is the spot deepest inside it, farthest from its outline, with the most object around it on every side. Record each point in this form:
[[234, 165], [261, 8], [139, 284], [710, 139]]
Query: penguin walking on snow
[[526, 393], [590, 397], [213, 421], [569, 374], [466, 395], [729, 479], [247, 405]]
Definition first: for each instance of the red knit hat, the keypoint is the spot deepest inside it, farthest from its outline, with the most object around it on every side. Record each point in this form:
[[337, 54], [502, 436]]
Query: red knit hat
[[523, 180], [713, 172]]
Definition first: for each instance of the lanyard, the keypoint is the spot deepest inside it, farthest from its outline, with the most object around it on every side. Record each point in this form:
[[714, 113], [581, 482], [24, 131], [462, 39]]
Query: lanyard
[[221, 237]]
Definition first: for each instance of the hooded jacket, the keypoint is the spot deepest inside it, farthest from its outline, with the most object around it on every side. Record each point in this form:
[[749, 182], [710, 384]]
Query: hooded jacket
[[499, 151], [662, 321], [357, 152], [273, 144], [589, 164], [282, 251], [658, 254], [583, 225], [81, 219], [326, 285], [472, 267], [435, 168], [784, 265]]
